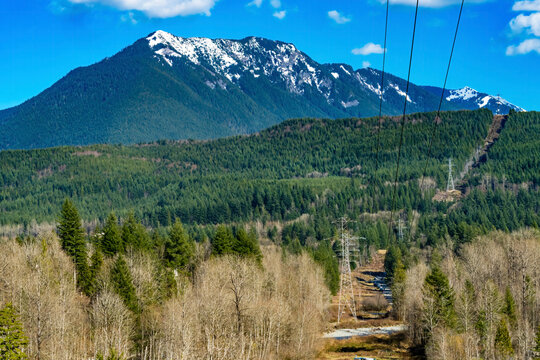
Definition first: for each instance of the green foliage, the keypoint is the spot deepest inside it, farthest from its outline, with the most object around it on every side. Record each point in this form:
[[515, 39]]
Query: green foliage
[[503, 342], [134, 234], [537, 342], [179, 248], [123, 284], [240, 178], [437, 287], [398, 285], [72, 240], [510, 307], [113, 355], [326, 258], [391, 261], [222, 241], [516, 154], [246, 245], [70, 230], [481, 325], [111, 242], [96, 261], [13, 341]]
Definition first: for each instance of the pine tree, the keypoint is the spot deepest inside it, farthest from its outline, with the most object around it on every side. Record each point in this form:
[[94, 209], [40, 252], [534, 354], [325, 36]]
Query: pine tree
[[134, 234], [179, 248], [96, 261], [246, 244], [393, 256], [510, 307], [537, 343], [13, 341], [503, 342], [295, 247], [123, 284], [222, 241], [70, 230], [111, 243], [437, 286], [71, 236], [398, 286]]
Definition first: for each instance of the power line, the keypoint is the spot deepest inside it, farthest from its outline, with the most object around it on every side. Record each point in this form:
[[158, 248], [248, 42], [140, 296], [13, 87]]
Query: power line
[[402, 124], [437, 117], [382, 88]]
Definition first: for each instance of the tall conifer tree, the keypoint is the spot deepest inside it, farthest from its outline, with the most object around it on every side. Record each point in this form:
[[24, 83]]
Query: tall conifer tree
[[13, 341]]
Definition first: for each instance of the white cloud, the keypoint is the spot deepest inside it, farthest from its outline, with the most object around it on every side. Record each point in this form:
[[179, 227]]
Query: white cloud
[[275, 3], [337, 17], [256, 3], [158, 8], [129, 17], [280, 14], [366, 64], [531, 5], [430, 3], [529, 23], [369, 48], [525, 47]]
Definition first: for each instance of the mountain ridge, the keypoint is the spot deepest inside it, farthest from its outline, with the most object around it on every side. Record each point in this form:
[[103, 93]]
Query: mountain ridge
[[164, 86]]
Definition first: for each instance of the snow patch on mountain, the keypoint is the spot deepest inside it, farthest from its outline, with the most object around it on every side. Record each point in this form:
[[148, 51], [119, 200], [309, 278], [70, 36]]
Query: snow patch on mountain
[[363, 80], [400, 92], [233, 58], [284, 65], [349, 104], [496, 103], [465, 93]]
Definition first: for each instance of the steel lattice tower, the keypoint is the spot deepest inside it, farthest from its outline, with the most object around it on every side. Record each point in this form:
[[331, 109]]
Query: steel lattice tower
[[401, 227], [450, 184], [346, 292]]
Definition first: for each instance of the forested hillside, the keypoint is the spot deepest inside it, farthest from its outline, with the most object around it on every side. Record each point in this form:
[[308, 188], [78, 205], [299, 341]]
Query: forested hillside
[[165, 255], [515, 157], [278, 173]]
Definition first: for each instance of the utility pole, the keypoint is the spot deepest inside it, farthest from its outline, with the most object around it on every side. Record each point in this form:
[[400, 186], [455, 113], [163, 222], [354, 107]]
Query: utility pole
[[450, 184], [346, 292]]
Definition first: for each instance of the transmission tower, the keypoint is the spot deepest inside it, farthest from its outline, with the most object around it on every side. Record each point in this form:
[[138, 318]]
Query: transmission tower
[[401, 227], [346, 292], [450, 184]]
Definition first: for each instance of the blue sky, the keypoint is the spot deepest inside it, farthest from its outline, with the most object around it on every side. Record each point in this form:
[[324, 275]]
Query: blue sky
[[498, 47]]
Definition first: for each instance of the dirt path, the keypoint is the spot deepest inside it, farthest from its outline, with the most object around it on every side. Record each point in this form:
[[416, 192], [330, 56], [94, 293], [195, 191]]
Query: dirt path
[[480, 155], [374, 334]]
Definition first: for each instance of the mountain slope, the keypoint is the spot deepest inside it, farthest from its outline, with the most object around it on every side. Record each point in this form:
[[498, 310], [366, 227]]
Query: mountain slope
[[164, 86]]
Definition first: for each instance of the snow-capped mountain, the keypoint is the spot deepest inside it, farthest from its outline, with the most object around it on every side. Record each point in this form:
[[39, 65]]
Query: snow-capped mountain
[[468, 98], [164, 86], [280, 63]]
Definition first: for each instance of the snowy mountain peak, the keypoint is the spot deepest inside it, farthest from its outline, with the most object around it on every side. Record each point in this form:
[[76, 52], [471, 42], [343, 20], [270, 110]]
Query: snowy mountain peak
[[283, 65], [465, 93], [235, 59], [481, 100]]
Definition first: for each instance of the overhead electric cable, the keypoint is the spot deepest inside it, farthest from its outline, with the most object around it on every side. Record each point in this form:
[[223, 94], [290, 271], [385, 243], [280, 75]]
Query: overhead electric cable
[[437, 117], [382, 88], [402, 124]]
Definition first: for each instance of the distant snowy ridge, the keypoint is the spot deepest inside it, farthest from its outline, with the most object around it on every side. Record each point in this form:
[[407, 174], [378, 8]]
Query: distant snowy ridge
[[236, 58], [481, 100], [278, 61], [283, 65]]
